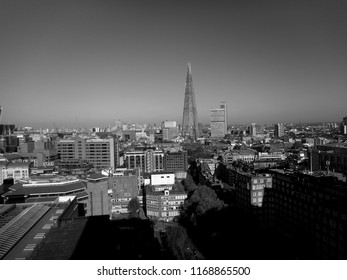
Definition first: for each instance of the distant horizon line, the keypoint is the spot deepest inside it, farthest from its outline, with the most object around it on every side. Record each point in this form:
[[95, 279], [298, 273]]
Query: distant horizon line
[[158, 124]]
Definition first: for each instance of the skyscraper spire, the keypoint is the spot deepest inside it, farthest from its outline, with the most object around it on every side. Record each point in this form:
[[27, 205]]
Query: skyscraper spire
[[190, 127]]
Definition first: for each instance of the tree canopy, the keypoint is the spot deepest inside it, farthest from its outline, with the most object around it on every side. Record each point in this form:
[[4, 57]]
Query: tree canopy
[[201, 200], [134, 206]]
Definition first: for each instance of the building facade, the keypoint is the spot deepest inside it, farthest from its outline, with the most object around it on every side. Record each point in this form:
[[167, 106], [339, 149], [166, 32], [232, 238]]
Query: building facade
[[15, 170], [218, 121], [169, 130], [279, 130], [330, 157], [124, 188], [148, 160], [310, 208], [102, 153], [164, 197], [176, 161], [98, 195]]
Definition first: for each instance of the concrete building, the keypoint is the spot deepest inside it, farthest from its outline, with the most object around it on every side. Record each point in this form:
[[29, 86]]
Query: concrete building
[[42, 152], [169, 130], [311, 209], [6, 129], [247, 155], [331, 157], [147, 160], [253, 129], [279, 130], [14, 170], [250, 187], [98, 202], [9, 143], [46, 189], [129, 135], [164, 197], [124, 187], [175, 161], [219, 121], [343, 126], [102, 153]]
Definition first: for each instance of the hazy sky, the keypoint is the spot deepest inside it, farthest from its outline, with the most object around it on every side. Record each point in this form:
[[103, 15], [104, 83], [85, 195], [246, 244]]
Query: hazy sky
[[88, 63]]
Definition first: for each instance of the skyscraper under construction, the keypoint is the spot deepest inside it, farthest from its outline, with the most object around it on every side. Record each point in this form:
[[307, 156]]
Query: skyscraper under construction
[[190, 128]]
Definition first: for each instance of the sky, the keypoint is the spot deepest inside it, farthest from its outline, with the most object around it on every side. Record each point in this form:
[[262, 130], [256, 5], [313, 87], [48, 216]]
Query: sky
[[74, 63]]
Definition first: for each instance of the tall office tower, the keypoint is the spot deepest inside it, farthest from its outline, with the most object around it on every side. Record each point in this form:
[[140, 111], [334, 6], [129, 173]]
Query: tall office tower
[[253, 129], [218, 121], [343, 126], [279, 129], [190, 128]]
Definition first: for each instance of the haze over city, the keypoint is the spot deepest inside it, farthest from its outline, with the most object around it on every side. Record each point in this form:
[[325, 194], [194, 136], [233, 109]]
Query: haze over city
[[89, 63]]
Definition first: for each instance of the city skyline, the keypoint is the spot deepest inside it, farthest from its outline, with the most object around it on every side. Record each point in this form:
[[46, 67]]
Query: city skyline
[[89, 63]]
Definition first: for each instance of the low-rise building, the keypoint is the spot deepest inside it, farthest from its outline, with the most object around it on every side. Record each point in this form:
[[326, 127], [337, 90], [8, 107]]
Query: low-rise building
[[98, 202], [46, 189], [175, 161], [15, 170], [124, 188], [164, 197]]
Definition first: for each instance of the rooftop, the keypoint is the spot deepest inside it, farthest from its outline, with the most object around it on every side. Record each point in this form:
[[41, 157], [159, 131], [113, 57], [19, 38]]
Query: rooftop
[[18, 164], [20, 189], [177, 188], [96, 177]]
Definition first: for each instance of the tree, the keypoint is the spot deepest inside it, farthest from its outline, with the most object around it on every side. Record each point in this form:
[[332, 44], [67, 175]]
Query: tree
[[201, 200], [133, 207], [178, 242], [189, 184]]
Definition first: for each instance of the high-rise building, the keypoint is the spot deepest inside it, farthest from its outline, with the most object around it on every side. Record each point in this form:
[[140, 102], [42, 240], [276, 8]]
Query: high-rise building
[[253, 129], [190, 127], [343, 126], [279, 129], [218, 121], [169, 130]]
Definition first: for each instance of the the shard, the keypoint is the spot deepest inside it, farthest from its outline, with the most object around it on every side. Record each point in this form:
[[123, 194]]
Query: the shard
[[190, 128]]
